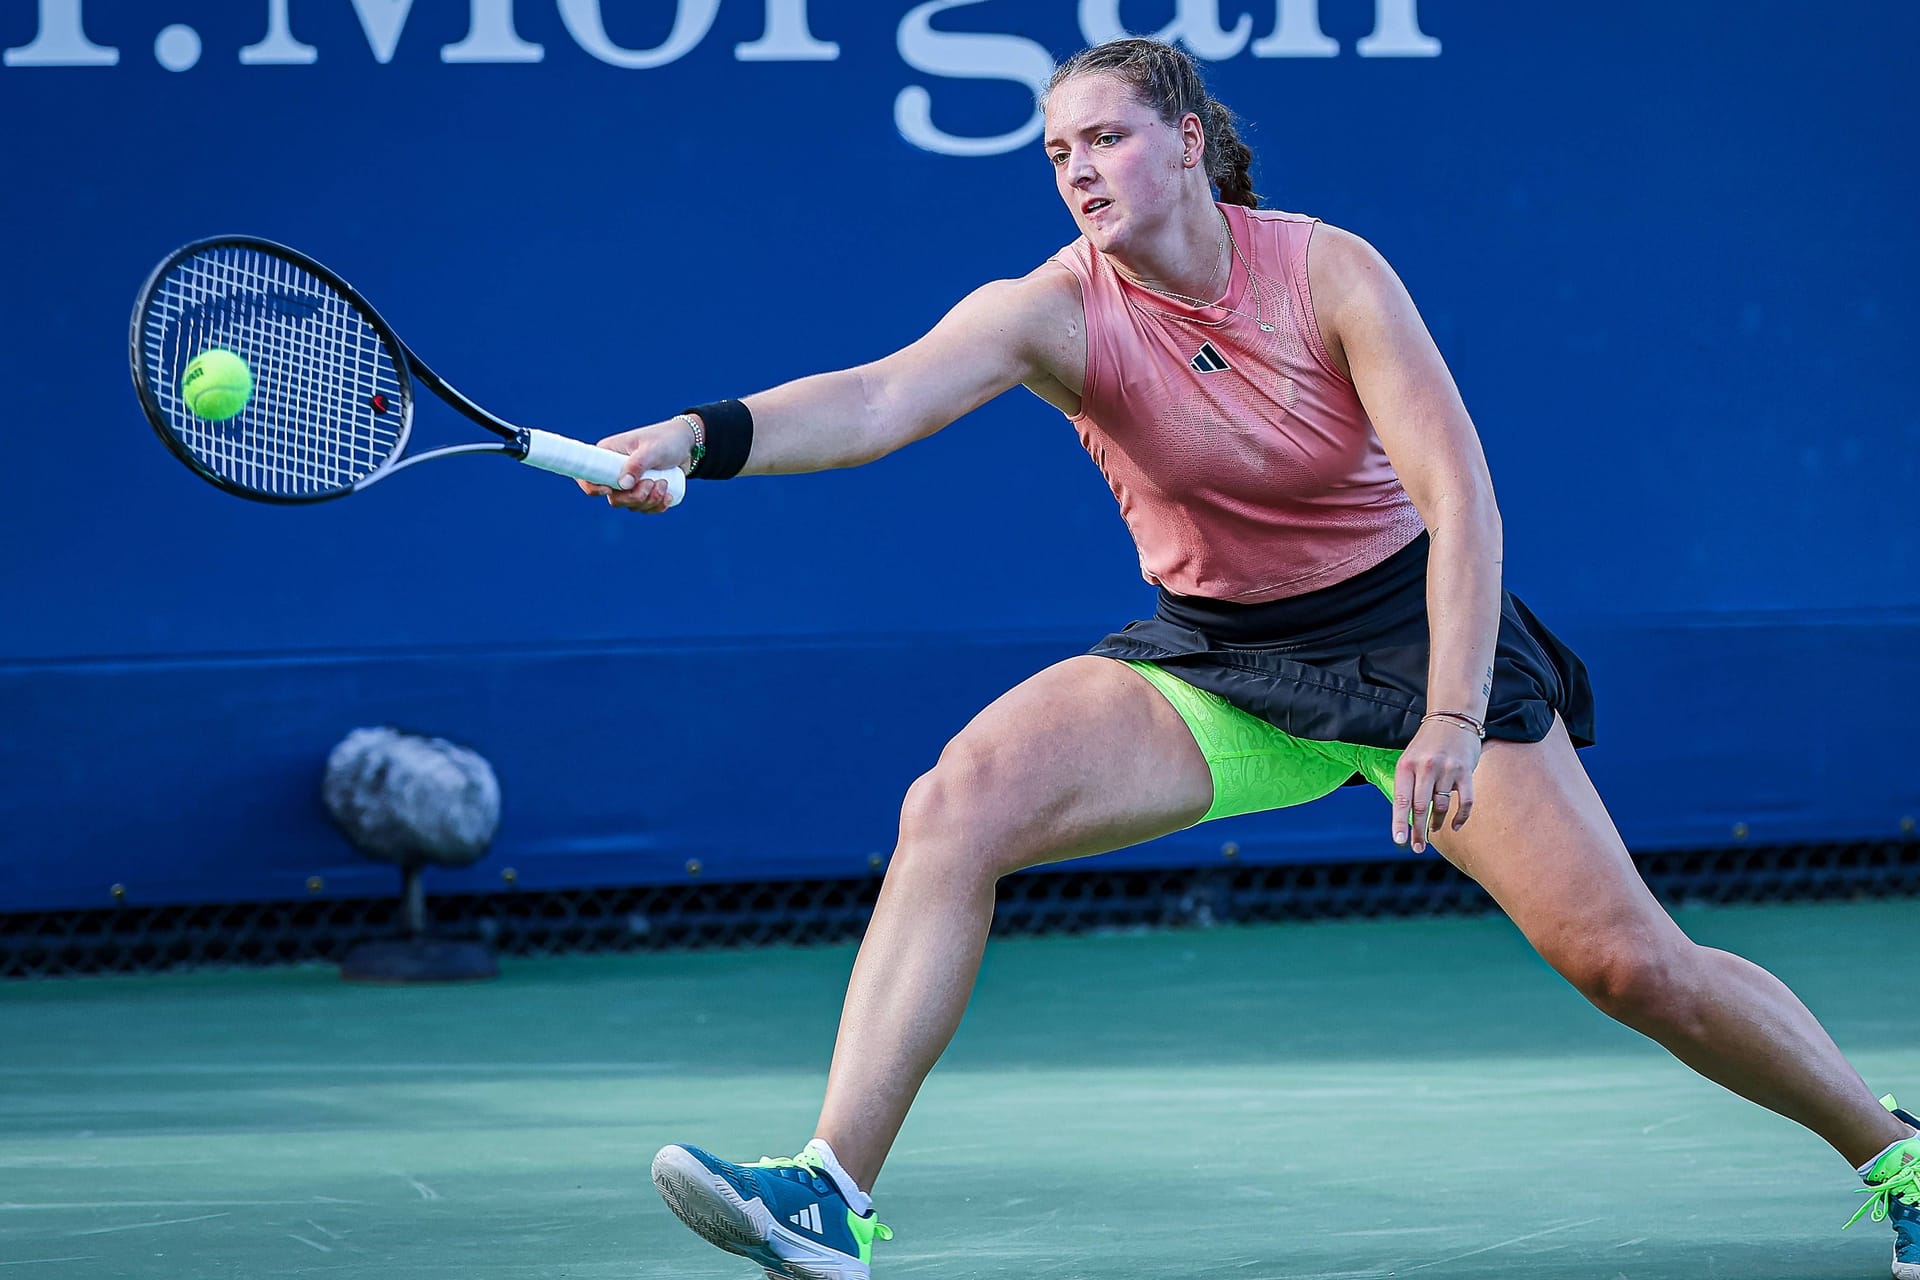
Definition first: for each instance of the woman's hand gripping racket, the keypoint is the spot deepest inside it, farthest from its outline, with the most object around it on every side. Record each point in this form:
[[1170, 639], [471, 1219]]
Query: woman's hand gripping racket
[[271, 377]]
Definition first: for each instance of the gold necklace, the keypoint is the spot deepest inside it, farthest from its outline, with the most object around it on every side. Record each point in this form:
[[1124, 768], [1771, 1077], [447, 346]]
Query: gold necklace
[[1253, 284]]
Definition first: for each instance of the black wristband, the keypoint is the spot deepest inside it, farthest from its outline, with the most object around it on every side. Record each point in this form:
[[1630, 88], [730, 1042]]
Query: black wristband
[[729, 439]]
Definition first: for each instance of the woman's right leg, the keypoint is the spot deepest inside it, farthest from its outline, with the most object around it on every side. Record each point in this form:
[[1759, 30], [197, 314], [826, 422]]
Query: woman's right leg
[[1084, 757]]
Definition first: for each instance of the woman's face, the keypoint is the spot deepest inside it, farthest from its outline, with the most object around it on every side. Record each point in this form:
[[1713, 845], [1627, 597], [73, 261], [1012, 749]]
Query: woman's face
[[1116, 163]]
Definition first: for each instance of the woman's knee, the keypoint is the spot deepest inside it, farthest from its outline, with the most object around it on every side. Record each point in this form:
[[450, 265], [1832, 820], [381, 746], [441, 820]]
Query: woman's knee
[[1644, 983], [934, 797], [967, 808]]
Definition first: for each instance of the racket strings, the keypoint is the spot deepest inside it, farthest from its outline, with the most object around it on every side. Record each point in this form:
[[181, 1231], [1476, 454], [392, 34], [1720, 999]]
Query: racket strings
[[312, 425]]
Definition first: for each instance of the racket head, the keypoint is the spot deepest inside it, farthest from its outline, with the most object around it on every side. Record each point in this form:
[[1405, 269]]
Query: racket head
[[332, 397]]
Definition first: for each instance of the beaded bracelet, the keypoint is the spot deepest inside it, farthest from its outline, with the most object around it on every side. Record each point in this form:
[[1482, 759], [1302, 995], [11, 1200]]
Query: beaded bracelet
[[699, 440]]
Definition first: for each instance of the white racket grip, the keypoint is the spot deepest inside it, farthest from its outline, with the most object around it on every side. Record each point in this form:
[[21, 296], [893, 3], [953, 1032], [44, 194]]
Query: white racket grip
[[582, 461]]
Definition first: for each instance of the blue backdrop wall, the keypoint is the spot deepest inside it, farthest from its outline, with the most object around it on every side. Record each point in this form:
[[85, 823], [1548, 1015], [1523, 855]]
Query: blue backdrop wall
[[1669, 251]]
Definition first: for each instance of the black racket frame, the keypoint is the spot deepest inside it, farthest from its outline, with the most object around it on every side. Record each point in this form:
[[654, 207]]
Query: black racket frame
[[408, 367]]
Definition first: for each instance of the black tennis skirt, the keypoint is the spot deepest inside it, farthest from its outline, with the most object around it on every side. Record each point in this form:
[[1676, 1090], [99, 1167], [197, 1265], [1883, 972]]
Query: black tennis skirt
[[1348, 663]]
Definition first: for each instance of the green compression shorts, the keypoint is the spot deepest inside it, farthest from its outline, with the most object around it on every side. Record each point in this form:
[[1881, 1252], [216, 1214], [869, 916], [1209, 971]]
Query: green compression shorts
[[1257, 766]]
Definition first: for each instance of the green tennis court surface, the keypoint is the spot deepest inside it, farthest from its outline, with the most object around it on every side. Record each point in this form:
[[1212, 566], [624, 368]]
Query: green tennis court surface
[[1405, 1098]]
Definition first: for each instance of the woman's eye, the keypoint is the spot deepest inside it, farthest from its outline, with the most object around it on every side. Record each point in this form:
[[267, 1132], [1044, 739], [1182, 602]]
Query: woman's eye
[[1106, 137]]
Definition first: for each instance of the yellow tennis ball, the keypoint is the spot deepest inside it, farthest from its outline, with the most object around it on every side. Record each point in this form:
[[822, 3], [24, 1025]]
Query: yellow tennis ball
[[216, 385]]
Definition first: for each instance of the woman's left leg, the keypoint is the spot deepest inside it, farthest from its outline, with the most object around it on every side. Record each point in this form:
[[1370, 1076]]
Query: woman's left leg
[[1541, 843]]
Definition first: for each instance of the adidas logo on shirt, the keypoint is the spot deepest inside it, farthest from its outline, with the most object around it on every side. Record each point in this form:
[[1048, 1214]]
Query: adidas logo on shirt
[[808, 1219], [1208, 360]]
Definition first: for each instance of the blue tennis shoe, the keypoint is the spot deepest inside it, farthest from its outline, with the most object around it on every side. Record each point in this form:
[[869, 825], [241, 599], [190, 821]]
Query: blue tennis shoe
[[785, 1215], [1893, 1196]]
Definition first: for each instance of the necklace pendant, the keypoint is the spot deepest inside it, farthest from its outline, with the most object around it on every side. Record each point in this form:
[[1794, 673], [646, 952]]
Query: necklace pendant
[[1265, 327]]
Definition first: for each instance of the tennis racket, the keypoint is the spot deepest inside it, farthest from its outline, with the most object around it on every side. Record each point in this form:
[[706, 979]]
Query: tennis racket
[[331, 406]]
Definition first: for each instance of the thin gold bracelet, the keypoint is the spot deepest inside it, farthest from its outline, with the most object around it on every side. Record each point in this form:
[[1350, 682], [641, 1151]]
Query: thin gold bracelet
[[1459, 719]]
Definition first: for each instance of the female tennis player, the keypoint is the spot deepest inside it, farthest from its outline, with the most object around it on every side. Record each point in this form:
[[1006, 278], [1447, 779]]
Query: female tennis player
[[1308, 492]]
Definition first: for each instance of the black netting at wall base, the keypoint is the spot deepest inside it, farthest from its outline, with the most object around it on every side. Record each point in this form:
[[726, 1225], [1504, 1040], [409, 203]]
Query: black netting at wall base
[[695, 915]]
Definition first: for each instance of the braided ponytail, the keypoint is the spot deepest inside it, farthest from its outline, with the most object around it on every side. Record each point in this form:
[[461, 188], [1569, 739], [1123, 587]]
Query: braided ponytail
[[1229, 160], [1168, 80]]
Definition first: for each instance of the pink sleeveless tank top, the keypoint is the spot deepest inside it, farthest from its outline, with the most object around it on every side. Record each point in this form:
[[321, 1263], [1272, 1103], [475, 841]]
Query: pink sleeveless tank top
[[1244, 465]]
